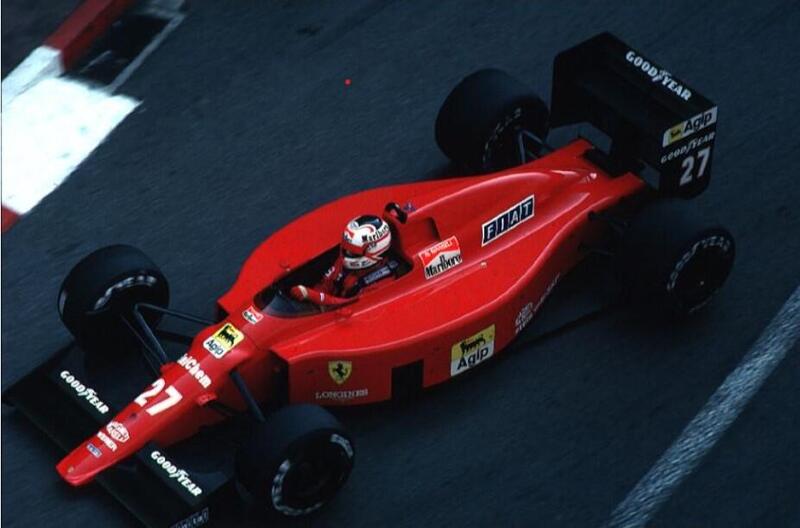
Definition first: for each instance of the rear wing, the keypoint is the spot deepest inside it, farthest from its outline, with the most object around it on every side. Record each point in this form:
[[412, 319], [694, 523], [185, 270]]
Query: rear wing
[[652, 117]]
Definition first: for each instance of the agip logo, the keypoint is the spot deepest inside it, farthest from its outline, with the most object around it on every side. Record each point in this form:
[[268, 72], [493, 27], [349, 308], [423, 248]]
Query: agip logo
[[223, 340], [471, 351], [686, 128]]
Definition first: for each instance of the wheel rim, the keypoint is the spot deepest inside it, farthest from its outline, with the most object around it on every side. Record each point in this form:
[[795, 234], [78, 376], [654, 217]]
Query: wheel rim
[[310, 478], [501, 148], [305, 482], [144, 285]]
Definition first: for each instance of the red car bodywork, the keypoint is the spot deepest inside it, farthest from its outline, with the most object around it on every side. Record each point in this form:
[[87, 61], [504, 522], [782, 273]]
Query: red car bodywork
[[345, 356]]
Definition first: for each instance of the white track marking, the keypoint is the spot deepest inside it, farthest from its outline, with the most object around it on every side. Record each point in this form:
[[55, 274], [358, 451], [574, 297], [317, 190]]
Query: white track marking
[[48, 130], [43, 62], [713, 420]]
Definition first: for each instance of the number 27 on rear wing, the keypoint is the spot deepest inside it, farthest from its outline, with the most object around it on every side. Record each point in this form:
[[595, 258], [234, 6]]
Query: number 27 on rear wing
[[656, 122]]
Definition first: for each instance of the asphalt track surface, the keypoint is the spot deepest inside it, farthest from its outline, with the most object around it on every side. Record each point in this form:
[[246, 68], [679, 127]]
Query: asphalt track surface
[[26, 24], [247, 123]]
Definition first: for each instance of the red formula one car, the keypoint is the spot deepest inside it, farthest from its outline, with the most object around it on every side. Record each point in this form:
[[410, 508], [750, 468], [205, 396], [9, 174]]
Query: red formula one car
[[237, 407]]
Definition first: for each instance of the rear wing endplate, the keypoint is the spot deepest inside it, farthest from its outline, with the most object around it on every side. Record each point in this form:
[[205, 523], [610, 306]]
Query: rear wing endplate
[[652, 117]]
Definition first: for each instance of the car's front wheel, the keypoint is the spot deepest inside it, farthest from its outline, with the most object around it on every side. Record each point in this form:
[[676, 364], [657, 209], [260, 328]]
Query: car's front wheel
[[296, 461], [103, 288]]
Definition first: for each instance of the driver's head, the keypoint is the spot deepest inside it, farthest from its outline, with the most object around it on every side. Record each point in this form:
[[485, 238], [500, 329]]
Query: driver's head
[[365, 239]]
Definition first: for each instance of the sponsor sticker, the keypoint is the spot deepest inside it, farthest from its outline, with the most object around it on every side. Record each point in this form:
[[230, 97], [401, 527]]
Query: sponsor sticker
[[527, 312], [507, 220], [686, 128], [174, 472], [658, 75], [84, 392], [223, 340], [94, 450], [440, 257], [547, 293], [340, 371], [524, 317], [107, 441], [341, 395], [378, 274], [471, 351], [381, 232], [194, 520], [688, 147], [118, 432], [192, 366], [252, 316]]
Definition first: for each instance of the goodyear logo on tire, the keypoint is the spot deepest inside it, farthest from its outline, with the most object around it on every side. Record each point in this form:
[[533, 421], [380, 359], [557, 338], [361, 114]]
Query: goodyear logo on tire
[[471, 351], [223, 340]]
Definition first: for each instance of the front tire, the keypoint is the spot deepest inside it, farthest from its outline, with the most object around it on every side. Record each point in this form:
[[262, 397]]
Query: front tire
[[103, 288], [296, 461], [673, 260]]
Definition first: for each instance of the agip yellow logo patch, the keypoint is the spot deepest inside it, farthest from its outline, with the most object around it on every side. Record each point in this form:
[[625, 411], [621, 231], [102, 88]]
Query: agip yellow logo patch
[[223, 340], [471, 351]]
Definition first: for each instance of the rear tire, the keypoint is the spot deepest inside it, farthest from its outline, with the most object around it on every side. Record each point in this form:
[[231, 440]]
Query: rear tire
[[103, 288], [296, 461], [479, 121], [672, 260]]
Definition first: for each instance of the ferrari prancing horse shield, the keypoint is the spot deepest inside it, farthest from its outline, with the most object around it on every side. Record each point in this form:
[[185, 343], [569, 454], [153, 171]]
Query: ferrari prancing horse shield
[[340, 370]]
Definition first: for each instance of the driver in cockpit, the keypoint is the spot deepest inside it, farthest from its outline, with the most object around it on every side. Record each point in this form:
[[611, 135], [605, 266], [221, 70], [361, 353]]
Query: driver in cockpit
[[362, 261]]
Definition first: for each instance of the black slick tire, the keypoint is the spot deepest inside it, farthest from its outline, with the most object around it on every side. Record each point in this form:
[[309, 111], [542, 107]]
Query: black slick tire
[[296, 461], [674, 261], [103, 288], [479, 121]]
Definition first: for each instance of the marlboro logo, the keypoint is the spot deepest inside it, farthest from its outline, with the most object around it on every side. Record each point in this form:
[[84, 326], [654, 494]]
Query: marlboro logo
[[441, 257]]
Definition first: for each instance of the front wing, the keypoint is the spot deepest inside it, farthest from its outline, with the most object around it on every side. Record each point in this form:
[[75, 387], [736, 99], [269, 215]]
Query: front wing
[[162, 487]]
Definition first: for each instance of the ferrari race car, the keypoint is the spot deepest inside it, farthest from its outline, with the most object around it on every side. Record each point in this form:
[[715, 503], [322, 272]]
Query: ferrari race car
[[176, 423]]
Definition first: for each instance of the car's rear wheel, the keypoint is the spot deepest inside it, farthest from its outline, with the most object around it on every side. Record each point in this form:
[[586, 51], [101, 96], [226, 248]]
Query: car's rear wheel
[[295, 462], [102, 289], [674, 261], [479, 123]]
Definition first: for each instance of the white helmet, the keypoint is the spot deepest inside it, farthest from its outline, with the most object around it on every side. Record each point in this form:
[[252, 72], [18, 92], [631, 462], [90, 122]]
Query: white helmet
[[365, 239]]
